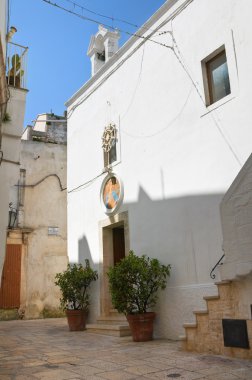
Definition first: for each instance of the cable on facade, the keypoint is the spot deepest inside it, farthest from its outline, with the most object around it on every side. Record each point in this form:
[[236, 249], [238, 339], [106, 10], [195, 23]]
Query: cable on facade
[[138, 82], [113, 19], [43, 179], [180, 58], [166, 127], [144, 39], [88, 183], [85, 184], [106, 25]]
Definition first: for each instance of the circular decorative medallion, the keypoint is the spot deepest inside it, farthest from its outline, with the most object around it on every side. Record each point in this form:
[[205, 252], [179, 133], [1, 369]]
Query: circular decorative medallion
[[109, 137], [111, 193]]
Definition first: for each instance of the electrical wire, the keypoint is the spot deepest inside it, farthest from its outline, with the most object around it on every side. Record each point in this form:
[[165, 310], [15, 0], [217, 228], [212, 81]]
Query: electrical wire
[[138, 82], [175, 49], [180, 59], [102, 15], [166, 127], [178, 56], [85, 184], [144, 39], [106, 25], [43, 179]]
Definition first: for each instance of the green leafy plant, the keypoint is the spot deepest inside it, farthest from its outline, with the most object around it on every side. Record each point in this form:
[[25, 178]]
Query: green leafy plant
[[74, 284], [16, 66], [135, 281], [6, 118], [15, 73]]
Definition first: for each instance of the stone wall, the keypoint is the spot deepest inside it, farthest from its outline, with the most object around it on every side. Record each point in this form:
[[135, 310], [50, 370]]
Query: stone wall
[[43, 212], [236, 216], [206, 335]]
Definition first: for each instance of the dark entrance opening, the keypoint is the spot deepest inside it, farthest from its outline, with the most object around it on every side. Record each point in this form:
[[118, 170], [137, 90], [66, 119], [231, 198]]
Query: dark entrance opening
[[118, 244], [235, 333]]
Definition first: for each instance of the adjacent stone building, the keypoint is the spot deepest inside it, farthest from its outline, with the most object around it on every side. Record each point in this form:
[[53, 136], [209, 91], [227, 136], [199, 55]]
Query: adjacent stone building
[[40, 229], [13, 91]]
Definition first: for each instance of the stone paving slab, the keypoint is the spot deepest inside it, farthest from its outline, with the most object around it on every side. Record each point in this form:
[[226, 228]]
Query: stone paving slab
[[46, 349]]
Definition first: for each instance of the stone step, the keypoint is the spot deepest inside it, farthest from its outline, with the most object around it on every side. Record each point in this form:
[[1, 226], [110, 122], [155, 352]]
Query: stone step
[[211, 298], [119, 330], [200, 312], [113, 312], [224, 282], [182, 338], [224, 289], [190, 325], [116, 319]]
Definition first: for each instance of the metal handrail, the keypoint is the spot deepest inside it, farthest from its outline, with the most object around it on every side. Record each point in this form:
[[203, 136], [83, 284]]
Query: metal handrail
[[16, 65], [212, 275]]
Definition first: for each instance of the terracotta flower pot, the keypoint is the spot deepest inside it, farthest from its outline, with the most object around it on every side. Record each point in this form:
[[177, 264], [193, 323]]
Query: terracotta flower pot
[[141, 326], [76, 319]]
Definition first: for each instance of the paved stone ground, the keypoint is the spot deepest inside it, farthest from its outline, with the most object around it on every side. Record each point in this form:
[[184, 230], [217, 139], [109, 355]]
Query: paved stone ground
[[45, 349]]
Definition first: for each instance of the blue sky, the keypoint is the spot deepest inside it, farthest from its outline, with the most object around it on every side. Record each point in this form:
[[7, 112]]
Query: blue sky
[[58, 41]]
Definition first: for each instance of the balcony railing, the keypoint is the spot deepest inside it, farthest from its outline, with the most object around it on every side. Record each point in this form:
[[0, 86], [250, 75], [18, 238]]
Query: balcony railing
[[16, 65]]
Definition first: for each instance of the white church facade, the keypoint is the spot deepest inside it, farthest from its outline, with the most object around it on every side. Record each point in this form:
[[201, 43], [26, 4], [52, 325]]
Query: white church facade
[[155, 139]]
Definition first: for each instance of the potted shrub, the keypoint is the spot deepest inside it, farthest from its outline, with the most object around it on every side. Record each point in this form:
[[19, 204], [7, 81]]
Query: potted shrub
[[134, 283], [74, 284]]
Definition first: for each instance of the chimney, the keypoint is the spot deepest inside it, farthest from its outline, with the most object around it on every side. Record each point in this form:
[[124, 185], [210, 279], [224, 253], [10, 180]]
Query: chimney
[[102, 47]]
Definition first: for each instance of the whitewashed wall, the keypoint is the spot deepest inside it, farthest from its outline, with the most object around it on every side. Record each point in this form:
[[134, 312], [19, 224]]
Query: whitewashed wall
[[174, 162], [236, 216]]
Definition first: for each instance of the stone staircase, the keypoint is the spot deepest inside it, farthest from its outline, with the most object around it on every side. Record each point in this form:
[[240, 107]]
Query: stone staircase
[[114, 325], [206, 334]]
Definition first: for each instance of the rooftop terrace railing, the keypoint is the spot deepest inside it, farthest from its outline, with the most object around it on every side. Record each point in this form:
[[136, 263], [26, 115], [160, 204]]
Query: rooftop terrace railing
[[16, 65]]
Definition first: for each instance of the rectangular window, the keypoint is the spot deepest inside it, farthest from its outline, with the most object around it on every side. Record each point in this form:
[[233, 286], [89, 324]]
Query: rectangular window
[[217, 84], [110, 157]]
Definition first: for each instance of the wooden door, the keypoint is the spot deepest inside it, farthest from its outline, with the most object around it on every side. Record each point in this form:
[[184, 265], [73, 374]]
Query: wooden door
[[11, 277], [118, 244]]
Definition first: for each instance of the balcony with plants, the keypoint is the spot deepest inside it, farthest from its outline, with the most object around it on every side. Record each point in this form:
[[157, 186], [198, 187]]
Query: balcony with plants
[[16, 65]]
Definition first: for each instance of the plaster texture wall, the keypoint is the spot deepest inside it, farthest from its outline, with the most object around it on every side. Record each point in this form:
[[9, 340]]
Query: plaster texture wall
[[176, 157], [4, 198], [9, 169], [44, 205], [3, 7], [3, 187], [236, 215], [242, 297]]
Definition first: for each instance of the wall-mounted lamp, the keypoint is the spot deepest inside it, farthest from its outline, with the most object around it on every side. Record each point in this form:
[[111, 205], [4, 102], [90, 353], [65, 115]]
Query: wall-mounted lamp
[[12, 216]]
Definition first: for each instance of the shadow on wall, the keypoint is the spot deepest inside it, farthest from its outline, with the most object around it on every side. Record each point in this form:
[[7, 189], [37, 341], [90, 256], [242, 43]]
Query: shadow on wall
[[84, 251], [83, 254], [185, 232]]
